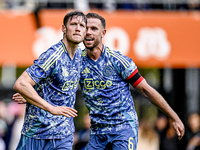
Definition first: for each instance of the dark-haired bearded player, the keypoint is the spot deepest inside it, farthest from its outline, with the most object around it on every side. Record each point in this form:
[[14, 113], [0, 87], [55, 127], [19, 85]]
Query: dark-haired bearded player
[[105, 78]]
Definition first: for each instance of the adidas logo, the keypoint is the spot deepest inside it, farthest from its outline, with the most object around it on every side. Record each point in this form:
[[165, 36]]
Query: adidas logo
[[86, 70]]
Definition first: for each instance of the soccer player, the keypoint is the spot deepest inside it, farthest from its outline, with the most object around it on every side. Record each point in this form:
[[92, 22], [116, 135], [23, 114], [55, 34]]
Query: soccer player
[[105, 78], [49, 87]]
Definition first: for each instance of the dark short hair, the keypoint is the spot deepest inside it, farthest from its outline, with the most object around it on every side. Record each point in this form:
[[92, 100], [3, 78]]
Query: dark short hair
[[70, 15], [95, 15]]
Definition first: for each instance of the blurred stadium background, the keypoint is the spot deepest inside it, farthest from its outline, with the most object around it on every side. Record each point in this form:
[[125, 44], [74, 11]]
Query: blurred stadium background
[[161, 36]]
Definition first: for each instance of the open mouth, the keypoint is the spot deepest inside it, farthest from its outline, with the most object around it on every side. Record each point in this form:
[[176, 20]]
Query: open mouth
[[88, 39]]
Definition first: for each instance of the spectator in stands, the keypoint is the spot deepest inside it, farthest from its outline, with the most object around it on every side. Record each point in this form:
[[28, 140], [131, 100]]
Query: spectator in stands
[[193, 129], [168, 138], [3, 125], [18, 111], [148, 138]]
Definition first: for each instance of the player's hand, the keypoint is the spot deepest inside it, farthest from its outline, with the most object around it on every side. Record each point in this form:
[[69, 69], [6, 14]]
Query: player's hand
[[63, 110], [179, 127], [19, 99]]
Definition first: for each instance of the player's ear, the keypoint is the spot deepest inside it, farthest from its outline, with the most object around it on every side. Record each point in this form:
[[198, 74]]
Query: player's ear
[[103, 33], [64, 28]]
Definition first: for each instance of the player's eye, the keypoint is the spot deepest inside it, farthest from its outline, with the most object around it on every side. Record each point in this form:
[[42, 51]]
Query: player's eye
[[94, 28], [73, 24], [82, 25]]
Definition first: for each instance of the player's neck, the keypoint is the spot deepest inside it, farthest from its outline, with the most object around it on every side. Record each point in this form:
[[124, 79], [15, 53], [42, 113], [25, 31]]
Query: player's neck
[[71, 48], [95, 53]]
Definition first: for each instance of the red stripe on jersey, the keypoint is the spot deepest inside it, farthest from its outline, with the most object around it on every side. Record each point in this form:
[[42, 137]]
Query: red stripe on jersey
[[137, 82], [134, 72]]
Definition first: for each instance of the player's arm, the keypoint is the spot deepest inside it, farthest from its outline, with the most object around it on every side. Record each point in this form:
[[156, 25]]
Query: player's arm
[[24, 85], [155, 98], [139, 83]]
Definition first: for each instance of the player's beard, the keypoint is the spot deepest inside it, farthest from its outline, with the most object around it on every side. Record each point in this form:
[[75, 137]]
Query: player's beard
[[91, 46]]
